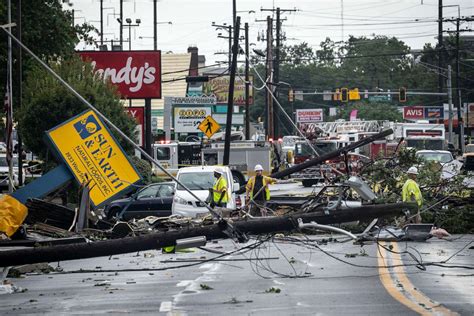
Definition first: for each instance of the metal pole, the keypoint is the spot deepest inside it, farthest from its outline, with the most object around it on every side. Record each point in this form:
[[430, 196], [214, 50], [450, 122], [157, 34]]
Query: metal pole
[[450, 101], [234, 11], [148, 140], [270, 124], [230, 46], [10, 94], [20, 93], [230, 102], [129, 36], [276, 73], [155, 22], [101, 22], [121, 24], [460, 123], [440, 44], [247, 84]]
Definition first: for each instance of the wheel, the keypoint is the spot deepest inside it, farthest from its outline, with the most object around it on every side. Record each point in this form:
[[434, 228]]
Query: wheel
[[113, 212]]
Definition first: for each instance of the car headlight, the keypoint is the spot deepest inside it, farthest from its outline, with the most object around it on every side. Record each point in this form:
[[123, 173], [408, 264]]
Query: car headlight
[[179, 200]]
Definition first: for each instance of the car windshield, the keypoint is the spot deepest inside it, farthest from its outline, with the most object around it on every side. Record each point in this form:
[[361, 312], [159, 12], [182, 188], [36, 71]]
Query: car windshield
[[433, 156], [3, 162], [197, 180], [470, 149], [434, 144], [303, 149]]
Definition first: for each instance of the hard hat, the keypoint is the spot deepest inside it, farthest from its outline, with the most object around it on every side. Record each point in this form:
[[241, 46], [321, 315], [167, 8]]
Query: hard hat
[[413, 170], [219, 170], [258, 168]]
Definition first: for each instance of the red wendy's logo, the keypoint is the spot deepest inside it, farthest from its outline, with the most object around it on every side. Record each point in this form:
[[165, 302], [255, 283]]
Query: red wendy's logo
[[136, 74]]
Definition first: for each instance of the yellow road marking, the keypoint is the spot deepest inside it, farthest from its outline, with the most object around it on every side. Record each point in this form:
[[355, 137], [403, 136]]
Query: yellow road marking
[[400, 287]]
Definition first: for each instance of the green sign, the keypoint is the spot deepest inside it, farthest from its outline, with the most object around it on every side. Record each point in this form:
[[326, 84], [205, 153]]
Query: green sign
[[380, 98]]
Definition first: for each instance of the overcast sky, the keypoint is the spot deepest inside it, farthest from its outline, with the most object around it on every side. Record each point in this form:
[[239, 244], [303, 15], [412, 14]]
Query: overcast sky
[[413, 21]]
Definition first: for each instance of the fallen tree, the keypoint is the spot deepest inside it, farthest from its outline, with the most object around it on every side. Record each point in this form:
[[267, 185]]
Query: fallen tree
[[216, 231]]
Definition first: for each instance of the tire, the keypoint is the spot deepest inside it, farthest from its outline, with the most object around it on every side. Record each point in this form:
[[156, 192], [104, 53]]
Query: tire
[[113, 212]]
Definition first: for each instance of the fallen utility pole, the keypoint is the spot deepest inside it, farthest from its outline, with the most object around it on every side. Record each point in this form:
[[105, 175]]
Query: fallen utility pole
[[332, 154], [158, 240]]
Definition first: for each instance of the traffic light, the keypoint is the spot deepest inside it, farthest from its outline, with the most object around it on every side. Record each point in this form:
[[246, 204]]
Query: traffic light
[[291, 95], [402, 94], [344, 95]]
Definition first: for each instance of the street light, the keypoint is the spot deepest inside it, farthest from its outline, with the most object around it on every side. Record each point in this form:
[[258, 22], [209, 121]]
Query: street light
[[130, 25]]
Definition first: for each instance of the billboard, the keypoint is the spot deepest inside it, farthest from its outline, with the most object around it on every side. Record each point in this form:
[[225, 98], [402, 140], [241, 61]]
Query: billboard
[[188, 118], [413, 113], [138, 113], [434, 113], [219, 86], [137, 74], [309, 115], [91, 153]]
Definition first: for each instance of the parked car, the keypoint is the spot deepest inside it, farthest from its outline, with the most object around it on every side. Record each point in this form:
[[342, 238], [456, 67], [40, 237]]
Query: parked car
[[199, 180], [450, 166], [152, 200], [4, 171]]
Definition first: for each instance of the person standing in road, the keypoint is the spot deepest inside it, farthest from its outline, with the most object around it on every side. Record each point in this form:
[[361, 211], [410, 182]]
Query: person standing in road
[[219, 190], [411, 191], [257, 192]]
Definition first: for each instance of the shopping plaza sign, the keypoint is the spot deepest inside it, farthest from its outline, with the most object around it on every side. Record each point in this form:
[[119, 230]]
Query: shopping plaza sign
[[137, 74], [423, 113]]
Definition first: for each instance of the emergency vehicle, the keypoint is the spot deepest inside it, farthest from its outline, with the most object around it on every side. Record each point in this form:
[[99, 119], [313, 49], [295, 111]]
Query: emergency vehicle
[[244, 156]]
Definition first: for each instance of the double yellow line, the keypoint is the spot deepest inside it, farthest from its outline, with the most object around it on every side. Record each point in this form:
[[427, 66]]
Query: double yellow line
[[397, 284]]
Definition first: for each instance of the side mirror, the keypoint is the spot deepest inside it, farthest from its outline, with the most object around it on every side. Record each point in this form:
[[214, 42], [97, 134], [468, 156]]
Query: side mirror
[[236, 187]]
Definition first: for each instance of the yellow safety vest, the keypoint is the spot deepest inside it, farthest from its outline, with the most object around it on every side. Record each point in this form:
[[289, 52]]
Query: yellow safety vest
[[219, 188], [266, 180], [411, 192]]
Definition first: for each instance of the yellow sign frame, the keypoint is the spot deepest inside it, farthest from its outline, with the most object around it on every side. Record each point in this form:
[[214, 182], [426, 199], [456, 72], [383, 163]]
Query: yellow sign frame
[[209, 126], [90, 151]]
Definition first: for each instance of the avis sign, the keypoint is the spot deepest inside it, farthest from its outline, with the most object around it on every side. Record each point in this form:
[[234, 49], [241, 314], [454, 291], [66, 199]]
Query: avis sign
[[137, 74], [413, 113]]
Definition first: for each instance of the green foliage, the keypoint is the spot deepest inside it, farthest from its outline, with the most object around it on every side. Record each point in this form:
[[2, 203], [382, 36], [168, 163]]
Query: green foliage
[[144, 169], [48, 103], [371, 111]]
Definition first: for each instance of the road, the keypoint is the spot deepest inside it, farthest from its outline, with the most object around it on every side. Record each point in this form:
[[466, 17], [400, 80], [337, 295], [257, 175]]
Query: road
[[309, 281]]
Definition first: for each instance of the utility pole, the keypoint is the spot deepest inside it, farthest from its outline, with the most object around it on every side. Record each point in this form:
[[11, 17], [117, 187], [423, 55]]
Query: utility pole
[[230, 45], [247, 84], [101, 22], [276, 73], [440, 44], [460, 120], [230, 101], [450, 102], [155, 22], [276, 66], [269, 79]]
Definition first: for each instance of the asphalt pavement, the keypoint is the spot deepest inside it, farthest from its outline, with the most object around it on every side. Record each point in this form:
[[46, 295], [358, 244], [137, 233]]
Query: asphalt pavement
[[279, 277]]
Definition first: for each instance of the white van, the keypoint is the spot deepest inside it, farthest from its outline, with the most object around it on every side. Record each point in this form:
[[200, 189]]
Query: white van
[[199, 180]]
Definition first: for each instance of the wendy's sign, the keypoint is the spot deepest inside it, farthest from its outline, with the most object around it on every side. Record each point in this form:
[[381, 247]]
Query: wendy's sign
[[137, 74]]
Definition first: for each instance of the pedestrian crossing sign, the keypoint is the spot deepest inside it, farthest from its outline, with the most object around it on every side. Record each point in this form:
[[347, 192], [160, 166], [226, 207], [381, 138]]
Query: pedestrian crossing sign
[[209, 126]]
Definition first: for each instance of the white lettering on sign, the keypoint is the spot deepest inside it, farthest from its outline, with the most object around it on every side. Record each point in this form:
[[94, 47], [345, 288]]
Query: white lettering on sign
[[136, 76], [415, 112]]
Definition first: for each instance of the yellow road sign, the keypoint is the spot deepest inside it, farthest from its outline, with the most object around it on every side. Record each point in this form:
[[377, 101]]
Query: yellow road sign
[[209, 126]]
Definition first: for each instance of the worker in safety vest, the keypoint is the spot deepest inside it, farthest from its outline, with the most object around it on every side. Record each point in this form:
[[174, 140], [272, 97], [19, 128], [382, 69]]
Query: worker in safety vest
[[219, 189], [257, 192], [411, 191]]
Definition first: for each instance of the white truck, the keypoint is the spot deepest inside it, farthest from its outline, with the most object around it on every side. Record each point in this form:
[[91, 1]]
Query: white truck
[[244, 156], [421, 135]]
